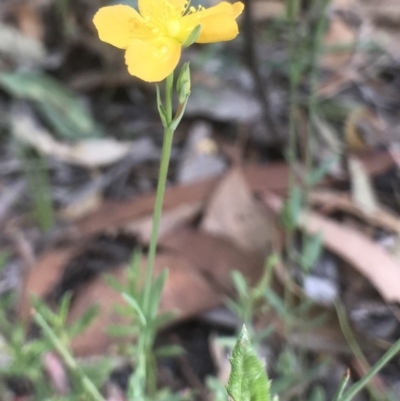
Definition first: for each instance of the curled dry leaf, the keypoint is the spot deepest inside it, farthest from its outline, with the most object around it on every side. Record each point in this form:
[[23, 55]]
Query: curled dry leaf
[[98, 152], [362, 191]]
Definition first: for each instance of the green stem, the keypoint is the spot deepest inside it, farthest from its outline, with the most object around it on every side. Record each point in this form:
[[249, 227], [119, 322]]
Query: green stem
[[293, 86], [169, 83], [354, 346], [342, 386], [357, 387], [162, 180], [291, 10], [312, 101], [69, 360]]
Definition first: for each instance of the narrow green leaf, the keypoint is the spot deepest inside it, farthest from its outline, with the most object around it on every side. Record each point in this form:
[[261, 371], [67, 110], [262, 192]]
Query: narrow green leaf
[[183, 83], [276, 302], [135, 305], [342, 386], [133, 275], [84, 321], [316, 175], [41, 307], [240, 284], [122, 331], [311, 252], [292, 208], [263, 334], [169, 351], [57, 105], [161, 109], [3, 258], [156, 292], [161, 320], [193, 36], [63, 309]]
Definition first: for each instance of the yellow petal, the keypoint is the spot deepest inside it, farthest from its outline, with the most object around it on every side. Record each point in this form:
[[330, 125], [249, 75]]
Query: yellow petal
[[179, 4], [237, 8], [219, 24], [154, 9], [224, 7], [116, 24], [152, 63]]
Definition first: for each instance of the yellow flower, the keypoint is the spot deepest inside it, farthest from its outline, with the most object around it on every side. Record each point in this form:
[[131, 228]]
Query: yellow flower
[[153, 38]]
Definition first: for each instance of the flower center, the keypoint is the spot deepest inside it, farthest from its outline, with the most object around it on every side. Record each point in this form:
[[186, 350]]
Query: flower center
[[173, 27]]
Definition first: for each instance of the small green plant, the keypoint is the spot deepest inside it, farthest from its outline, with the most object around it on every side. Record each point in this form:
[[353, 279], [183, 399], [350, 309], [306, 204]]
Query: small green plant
[[24, 356], [144, 326], [248, 380], [250, 301], [37, 177], [21, 357], [58, 335]]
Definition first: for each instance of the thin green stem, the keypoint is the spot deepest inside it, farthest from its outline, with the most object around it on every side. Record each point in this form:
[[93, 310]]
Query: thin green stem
[[293, 85], [162, 180], [291, 10], [342, 386], [354, 346], [142, 377], [69, 360], [312, 100], [357, 387], [169, 83], [349, 336]]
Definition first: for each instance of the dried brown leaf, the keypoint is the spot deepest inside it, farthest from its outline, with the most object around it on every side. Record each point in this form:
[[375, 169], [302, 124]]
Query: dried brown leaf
[[331, 201], [369, 258], [234, 213]]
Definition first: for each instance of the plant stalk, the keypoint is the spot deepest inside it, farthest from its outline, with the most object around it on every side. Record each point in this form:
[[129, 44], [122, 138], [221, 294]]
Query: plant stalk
[[357, 387], [69, 360], [162, 180]]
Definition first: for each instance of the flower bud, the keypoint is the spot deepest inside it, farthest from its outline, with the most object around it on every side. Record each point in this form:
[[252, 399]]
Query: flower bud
[[183, 83]]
